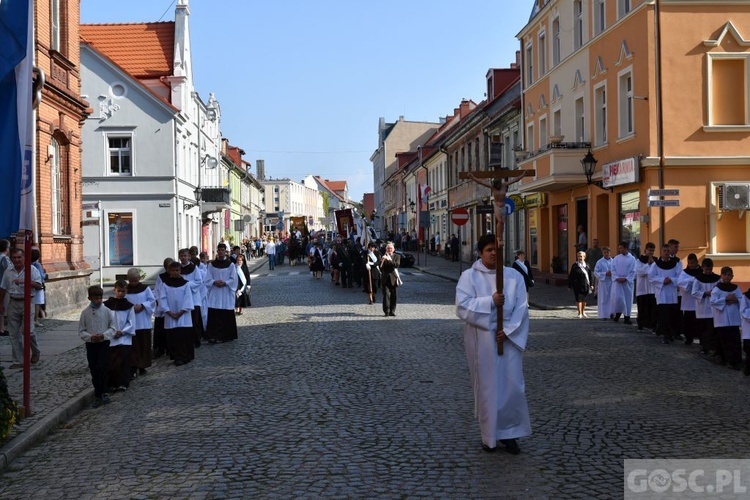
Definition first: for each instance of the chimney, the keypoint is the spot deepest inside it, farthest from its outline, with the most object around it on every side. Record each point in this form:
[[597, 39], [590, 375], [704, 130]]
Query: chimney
[[464, 107], [260, 167], [516, 64]]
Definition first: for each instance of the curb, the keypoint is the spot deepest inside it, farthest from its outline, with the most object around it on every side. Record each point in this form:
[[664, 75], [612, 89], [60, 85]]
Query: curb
[[27, 439]]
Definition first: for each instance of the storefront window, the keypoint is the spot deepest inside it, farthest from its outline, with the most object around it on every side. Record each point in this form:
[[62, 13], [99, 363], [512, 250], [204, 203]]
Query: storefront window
[[533, 250], [120, 239], [630, 221], [562, 239]]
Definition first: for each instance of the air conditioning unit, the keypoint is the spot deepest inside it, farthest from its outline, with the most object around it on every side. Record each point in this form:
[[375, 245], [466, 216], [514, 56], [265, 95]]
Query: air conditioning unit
[[734, 196]]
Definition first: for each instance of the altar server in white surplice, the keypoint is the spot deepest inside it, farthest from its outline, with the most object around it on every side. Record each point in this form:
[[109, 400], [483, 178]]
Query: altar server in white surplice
[[623, 276], [221, 285], [176, 302], [193, 275], [663, 275], [725, 302], [603, 272], [499, 389], [120, 347]]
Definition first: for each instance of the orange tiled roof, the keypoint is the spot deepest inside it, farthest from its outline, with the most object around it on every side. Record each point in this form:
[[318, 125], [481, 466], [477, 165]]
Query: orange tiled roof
[[145, 50], [337, 185]]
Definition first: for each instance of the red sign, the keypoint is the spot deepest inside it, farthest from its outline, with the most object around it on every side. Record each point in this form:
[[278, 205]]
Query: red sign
[[460, 216]]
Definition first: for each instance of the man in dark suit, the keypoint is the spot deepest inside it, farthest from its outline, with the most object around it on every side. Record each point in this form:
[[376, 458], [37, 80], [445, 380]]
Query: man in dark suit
[[389, 279], [524, 268], [454, 247]]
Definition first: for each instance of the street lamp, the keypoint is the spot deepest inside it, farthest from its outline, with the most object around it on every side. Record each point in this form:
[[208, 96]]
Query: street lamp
[[589, 165]]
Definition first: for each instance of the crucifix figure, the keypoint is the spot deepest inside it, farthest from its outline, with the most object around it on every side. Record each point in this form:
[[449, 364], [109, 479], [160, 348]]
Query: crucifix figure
[[496, 181]]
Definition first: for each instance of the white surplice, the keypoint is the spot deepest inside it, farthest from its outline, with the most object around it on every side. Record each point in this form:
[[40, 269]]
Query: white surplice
[[666, 293], [604, 288], [621, 299], [176, 299], [221, 297], [499, 388], [147, 299], [745, 316]]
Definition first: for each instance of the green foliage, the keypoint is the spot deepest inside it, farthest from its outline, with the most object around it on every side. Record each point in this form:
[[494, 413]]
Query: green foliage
[[8, 409], [326, 202]]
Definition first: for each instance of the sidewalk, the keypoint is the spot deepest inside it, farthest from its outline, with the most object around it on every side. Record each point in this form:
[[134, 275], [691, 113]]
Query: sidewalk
[[60, 382]]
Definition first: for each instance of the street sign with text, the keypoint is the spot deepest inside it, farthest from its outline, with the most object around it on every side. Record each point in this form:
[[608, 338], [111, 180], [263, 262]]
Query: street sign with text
[[664, 192], [663, 203]]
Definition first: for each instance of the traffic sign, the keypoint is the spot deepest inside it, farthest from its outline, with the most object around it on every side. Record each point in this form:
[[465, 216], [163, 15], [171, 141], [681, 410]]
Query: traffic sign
[[663, 203], [664, 192], [460, 216], [510, 206]]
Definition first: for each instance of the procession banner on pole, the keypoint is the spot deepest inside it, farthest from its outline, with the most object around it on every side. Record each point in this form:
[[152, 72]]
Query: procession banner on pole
[[16, 122]]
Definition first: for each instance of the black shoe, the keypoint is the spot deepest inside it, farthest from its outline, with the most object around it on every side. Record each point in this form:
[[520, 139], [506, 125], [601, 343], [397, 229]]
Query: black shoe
[[488, 449], [640, 328], [5, 333], [511, 446], [387, 314], [688, 341], [627, 320], [179, 362], [665, 341], [392, 314]]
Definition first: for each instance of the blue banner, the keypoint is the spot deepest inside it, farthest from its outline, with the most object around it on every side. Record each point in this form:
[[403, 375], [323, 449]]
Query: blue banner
[[16, 18]]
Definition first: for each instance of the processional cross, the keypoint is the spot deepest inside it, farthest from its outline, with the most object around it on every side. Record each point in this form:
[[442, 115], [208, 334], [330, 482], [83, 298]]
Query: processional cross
[[498, 185]]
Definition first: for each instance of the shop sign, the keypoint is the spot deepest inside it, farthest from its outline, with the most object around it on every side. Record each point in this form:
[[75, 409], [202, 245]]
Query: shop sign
[[533, 218], [517, 201], [535, 200], [620, 172]]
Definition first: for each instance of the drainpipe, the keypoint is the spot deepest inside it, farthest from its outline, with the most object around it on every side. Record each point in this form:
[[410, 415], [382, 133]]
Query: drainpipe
[[659, 111]]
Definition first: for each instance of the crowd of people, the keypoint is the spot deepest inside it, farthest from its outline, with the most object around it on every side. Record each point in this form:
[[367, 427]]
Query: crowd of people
[[193, 301], [675, 302]]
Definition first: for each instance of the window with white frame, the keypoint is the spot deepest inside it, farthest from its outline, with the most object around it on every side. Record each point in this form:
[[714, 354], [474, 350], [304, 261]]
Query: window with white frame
[[120, 241], [556, 41], [120, 154], [542, 53], [580, 115], [600, 16], [623, 7], [55, 25], [600, 116], [56, 185], [557, 122], [529, 64], [530, 138], [728, 90], [577, 24], [543, 132], [625, 103]]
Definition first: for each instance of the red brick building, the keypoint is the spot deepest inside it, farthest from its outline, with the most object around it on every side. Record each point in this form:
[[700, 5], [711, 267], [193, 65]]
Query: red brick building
[[58, 156]]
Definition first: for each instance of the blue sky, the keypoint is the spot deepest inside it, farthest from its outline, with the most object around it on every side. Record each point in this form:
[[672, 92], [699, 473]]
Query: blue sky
[[302, 83]]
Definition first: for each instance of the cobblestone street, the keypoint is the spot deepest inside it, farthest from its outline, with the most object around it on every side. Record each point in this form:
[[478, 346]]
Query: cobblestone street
[[323, 396]]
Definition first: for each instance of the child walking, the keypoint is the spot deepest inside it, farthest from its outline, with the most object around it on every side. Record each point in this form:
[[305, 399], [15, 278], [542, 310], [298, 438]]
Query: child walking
[[97, 328]]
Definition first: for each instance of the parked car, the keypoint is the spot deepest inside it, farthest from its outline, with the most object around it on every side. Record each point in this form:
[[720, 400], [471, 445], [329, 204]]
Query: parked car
[[407, 259]]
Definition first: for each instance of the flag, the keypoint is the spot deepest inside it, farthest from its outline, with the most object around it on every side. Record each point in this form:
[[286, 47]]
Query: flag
[[16, 120], [424, 190]]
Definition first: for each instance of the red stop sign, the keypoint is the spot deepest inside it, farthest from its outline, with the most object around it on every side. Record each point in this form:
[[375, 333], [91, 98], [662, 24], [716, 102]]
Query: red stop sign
[[460, 216]]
